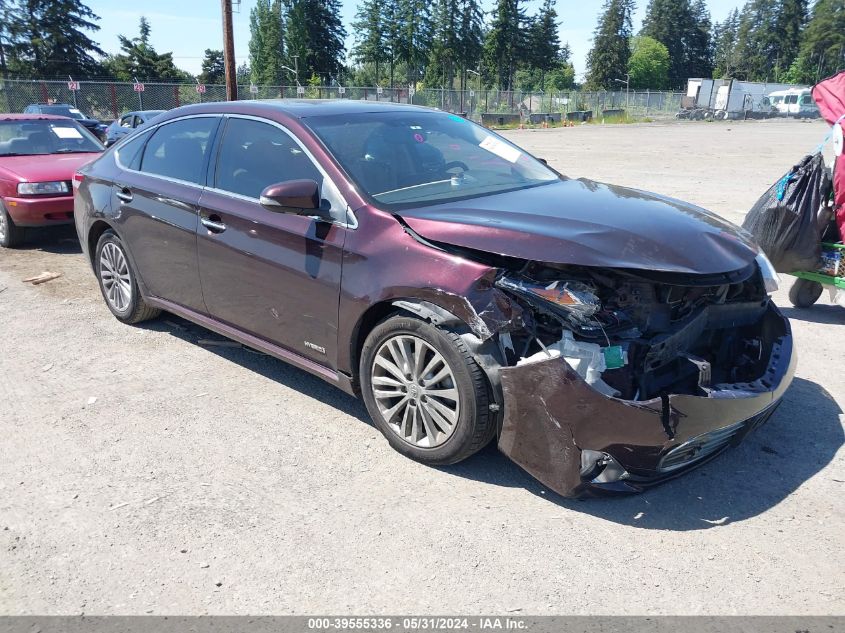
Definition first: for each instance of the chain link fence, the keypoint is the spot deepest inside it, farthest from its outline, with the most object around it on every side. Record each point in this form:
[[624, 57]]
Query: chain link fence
[[108, 100]]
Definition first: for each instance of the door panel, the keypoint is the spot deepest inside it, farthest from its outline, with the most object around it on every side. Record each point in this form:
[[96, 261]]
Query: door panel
[[159, 225], [159, 214], [273, 275]]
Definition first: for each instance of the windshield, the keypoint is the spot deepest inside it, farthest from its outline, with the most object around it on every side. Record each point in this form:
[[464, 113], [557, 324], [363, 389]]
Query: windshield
[[412, 158], [28, 138], [60, 110]]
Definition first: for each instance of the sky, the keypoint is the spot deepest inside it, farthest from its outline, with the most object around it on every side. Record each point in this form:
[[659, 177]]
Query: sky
[[188, 27]]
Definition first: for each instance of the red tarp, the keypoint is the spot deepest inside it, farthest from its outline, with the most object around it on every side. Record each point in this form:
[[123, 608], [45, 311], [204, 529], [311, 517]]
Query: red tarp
[[829, 94]]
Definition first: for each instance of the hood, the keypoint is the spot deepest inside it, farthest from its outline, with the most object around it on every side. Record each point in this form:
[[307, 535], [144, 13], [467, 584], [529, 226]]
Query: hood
[[44, 168], [586, 223]]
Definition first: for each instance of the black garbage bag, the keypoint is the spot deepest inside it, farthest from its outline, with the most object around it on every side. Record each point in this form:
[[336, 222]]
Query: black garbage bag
[[785, 221]]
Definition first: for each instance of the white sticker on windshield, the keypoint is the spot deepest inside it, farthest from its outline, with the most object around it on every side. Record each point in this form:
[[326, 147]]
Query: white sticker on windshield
[[75, 111], [500, 149], [66, 132]]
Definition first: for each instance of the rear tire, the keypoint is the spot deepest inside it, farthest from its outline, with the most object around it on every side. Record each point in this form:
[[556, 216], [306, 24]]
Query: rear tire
[[11, 235], [804, 293], [118, 281], [430, 398]]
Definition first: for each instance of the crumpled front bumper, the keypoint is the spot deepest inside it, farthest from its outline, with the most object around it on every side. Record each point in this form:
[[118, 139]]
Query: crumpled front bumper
[[552, 416]]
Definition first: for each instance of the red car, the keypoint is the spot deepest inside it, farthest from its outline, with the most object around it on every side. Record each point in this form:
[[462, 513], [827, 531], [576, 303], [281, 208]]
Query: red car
[[38, 157]]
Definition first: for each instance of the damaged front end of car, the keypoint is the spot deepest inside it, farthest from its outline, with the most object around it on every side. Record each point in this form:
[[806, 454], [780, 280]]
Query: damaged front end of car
[[610, 380]]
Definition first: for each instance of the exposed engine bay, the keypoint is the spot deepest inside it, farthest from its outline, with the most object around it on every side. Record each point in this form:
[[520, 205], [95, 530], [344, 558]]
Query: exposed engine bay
[[637, 335]]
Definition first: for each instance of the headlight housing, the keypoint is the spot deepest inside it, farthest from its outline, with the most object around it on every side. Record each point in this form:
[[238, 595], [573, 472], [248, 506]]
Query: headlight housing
[[42, 188], [770, 275]]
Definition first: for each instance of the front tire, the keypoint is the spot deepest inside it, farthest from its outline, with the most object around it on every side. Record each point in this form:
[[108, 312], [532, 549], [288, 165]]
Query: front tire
[[118, 283], [11, 235], [425, 392]]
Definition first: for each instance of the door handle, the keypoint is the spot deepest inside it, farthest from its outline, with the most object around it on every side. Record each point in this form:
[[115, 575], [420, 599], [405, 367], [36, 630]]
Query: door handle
[[213, 223], [124, 195]]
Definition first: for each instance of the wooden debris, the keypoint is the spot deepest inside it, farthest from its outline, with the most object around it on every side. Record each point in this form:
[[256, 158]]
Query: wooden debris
[[42, 278]]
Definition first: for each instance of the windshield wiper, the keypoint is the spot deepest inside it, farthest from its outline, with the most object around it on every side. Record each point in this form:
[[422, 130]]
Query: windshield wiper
[[76, 151]]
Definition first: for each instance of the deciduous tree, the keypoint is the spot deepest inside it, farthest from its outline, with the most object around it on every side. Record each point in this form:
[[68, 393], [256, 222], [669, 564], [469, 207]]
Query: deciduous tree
[[648, 64]]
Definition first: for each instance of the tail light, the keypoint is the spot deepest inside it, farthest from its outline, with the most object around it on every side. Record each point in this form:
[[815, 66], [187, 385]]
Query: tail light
[[77, 179]]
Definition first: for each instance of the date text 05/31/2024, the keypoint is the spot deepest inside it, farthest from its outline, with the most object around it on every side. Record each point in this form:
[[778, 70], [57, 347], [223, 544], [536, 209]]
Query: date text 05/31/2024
[[480, 623]]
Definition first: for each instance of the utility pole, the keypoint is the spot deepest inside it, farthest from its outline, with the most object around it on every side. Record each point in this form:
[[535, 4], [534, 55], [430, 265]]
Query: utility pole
[[229, 52]]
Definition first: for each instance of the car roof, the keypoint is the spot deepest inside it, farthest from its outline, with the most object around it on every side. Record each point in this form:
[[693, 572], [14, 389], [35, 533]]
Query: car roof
[[297, 108], [32, 117]]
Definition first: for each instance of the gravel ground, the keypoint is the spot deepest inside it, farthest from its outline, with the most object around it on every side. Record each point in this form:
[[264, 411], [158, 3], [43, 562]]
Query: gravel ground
[[142, 472]]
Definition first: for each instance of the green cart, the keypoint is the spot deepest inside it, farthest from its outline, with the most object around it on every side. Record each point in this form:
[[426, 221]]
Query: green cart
[[809, 286]]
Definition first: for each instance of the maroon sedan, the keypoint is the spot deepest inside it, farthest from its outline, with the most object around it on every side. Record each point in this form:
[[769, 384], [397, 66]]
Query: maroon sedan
[[38, 157], [607, 338]]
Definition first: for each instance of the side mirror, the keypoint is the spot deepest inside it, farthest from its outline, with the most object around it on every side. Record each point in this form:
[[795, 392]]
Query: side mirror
[[301, 197]]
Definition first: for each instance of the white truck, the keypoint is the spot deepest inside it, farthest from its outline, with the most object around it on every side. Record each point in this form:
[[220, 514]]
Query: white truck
[[730, 98]]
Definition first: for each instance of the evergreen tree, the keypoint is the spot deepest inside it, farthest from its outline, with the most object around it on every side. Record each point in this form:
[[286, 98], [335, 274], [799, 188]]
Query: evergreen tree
[[699, 42], [370, 37], [243, 74], [724, 45], [683, 27], [296, 38], [327, 38], [505, 43], [213, 67], [789, 23], [413, 43], [669, 22], [266, 43], [607, 61], [470, 38], [544, 52], [757, 46], [140, 60], [444, 44], [822, 50], [8, 19], [48, 38], [392, 34], [314, 38]]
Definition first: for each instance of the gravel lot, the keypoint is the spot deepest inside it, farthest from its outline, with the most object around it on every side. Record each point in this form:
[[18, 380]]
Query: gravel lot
[[218, 480]]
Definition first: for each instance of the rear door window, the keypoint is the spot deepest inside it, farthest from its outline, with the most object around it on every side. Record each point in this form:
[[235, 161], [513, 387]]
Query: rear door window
[[178, 150], [129, 152]]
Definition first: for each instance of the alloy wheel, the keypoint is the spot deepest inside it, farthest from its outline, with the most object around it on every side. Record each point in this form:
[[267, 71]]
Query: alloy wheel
[[114, 273], [4, 226], [415, 391]]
